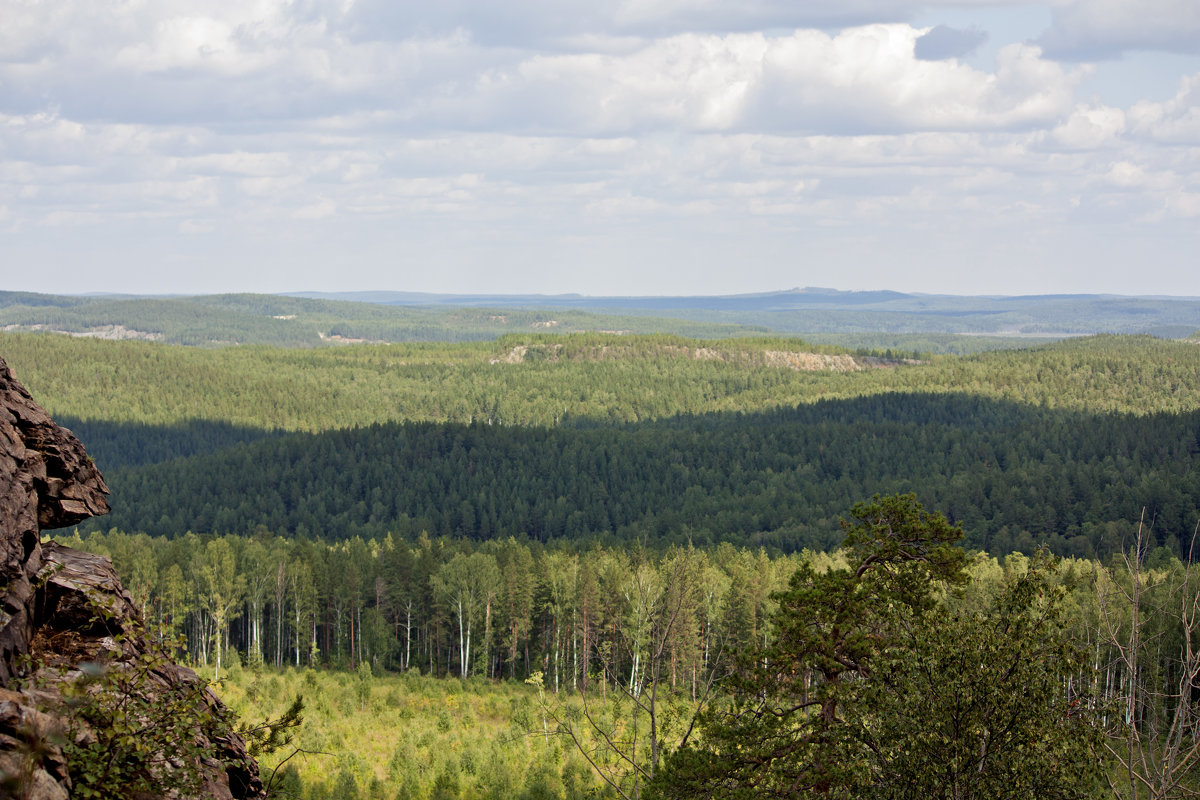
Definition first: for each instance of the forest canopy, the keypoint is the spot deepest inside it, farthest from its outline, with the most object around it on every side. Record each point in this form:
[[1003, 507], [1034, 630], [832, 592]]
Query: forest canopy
[[620, 514], [657, 439]]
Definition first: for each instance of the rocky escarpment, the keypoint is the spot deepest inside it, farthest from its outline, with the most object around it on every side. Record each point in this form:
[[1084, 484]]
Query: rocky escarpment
[[795, 360], [71, 640]]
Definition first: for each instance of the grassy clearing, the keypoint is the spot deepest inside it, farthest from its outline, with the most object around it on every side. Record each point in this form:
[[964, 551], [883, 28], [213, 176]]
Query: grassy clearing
[[409, 737]]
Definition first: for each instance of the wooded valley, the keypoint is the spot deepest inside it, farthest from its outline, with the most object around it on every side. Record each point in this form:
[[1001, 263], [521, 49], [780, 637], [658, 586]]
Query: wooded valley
[[627, 558]]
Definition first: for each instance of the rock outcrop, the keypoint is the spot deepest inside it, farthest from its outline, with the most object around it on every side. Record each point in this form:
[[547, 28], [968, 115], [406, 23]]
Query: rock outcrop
[[68, 629]]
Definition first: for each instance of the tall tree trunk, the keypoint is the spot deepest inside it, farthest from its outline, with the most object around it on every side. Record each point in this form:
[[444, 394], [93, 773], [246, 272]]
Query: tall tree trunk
[[408, 635], [487, 637]]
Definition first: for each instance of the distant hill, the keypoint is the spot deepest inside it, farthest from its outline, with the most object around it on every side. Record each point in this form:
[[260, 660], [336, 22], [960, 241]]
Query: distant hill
[[762, 301], [872, 320], [286, 321], [818, 310]]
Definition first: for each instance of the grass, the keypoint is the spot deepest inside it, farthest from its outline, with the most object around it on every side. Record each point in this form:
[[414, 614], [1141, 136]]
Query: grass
[[408, 736]]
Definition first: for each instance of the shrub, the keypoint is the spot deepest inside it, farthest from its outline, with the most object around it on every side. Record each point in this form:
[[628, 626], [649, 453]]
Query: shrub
[[345, 787], [129, 733]]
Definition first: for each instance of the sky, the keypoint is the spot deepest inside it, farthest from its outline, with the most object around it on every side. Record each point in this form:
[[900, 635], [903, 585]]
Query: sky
[[628, 147]]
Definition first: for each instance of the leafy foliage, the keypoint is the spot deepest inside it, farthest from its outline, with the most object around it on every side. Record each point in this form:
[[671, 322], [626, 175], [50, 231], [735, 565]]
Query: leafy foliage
[[783, 731], [984, 703], [866, 693], [129, 732]]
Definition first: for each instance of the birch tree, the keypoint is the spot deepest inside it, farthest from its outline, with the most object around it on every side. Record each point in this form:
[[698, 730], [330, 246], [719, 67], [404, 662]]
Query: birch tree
[[467, 586], [221, 589], [1150, 622]]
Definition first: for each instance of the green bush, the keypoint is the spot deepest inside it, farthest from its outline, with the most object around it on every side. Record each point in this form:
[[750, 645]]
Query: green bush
[[129, 734], [445, 787], [345, 787]]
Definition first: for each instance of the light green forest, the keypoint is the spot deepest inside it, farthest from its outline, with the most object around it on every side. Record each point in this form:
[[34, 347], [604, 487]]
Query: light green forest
[[439, 669], [544, 380], [594, 564]]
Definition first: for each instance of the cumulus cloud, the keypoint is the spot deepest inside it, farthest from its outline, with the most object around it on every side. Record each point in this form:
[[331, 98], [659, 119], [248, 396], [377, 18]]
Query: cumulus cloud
[[1176, 121], [485, 137], [859, 80], [1090, 127], [870, 79], [1128, 175], [270, 69], [544, 22]]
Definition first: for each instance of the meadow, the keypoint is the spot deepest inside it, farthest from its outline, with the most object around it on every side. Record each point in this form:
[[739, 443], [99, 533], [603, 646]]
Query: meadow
[[405, 736]]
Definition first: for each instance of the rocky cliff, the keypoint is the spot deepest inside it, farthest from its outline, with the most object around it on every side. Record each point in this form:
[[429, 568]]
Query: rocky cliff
[[86, 700]]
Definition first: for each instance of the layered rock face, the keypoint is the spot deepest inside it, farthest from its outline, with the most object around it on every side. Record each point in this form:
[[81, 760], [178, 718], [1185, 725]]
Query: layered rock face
[[69, 630]]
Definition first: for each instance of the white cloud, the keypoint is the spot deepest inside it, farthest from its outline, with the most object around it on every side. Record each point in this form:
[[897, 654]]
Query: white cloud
[[868, 78], [192, 227], [552, 23], [861, 79], [1127, 175], [187, 43], [1090, 127], [760, 134], [272, 61], [262, 164], [320, 210], [546, 22], [1176, 121], [1183, 204], [698, 82]]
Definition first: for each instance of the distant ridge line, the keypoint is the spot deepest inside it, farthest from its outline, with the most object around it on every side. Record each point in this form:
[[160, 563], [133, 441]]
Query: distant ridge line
[[808, 297]]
